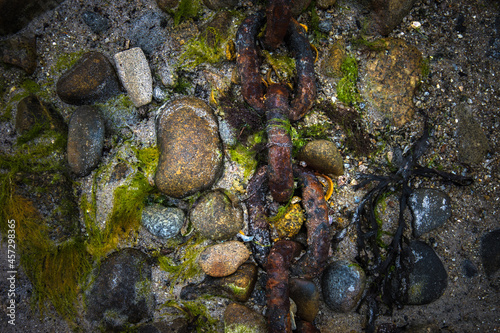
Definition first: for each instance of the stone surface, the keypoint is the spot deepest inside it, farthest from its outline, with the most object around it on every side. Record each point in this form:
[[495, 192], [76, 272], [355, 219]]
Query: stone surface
[[325, 4], [472, 142], [431, 209], [32, 112], [219, 4], [342, 283], [238, 318], [387, 14], [161, 221], [15, 14], [306, 296], [190, 148], [97, 23], [428, 278], [323, 156], [147, 31], [290, 223], [223, 259], [85, 140], [178, 325], [120, 292], [167, 5], [20, 51], [92, 79], [490, 255], [332, 62], [237, 286], [135, 75], [469, 270], [389, 78], [216, 216]]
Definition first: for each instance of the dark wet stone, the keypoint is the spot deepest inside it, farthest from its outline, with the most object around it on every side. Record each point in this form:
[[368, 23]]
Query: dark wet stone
[[120, 171], [237, 286], [164, 222], [220, 4], [325, 4], [85, 140], [394, 68], [217, 28], [431, 209], [97, 23], [92, 79], [305, 294], [469, 270], [342, 283], [20, 51], [167, 5], [472, 142], [216, 216], [323, 156], [490, 254], [32, 112], [238, 318], [223, 259], [428, 278], [190, 147], [178, 325], [148, 31], [299, 6], [120, 294], [387, 14], [16, 14]]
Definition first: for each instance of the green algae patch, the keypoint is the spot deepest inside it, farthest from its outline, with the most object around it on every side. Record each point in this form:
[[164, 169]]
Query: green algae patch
[[198, 50], [282, 65], [186, 267], [246, 155], [196, 313], [347, 92]]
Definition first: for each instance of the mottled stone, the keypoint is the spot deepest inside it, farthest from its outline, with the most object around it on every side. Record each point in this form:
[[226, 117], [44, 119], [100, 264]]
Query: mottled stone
[[305, 294], [190, 148], [237, 286], [135, 75], [223, 259], [238, 318], [92, 79], [290, 223], [387, 14], [16, 14], [219, 4], [164, 222], [323, 156], [216, 216], [490, 255], [97, 23], [85, 140], [428, 278], [472, 142], [389, 78], [342, 283], [120, 294], [332, 61], [32, 112], [20, 51], [325, 4], [430, 208], [148, 31]]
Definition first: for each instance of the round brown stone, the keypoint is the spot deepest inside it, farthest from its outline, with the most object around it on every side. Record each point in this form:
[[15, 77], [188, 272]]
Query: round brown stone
[[191, 156], [323, 156], [223, 259]]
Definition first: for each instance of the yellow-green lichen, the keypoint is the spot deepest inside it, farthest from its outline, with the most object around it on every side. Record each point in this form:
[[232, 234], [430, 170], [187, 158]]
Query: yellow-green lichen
[[198, 51], [347, 92], [246, 155], [196, 313]]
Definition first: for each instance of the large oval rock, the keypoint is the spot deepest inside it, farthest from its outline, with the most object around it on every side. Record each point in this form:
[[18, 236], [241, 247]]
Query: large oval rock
[[120, 294], [215, 216], [322, 155], [92, 79], [85, 140], [343, 284], [223, 259], [190, 148]]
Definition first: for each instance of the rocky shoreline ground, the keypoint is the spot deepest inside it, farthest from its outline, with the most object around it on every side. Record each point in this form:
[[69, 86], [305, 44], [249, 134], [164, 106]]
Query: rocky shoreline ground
[[127, 151]]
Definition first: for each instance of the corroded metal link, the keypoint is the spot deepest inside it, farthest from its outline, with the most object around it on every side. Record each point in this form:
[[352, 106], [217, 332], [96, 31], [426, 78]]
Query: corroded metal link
[[280, 143], [318, 236], [305, 91], [258, 226], [278, 14], [248, 61], [277, 292]]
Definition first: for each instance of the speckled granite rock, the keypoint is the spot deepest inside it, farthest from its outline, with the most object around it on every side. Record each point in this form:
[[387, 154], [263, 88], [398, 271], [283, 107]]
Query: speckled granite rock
[[223, 259], [164, 222], [135, 75], [431, 209]]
